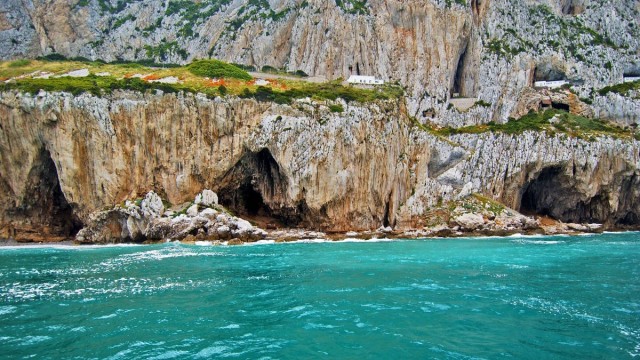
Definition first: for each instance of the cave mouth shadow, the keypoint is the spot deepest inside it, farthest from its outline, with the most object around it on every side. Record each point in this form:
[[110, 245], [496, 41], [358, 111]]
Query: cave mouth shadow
[[553, 193], [256, 188], [532, 200], [44, 205]]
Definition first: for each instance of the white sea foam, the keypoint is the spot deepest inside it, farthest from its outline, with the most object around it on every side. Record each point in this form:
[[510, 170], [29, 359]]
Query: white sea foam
[[230, 326], [210, 351], [4, 310]]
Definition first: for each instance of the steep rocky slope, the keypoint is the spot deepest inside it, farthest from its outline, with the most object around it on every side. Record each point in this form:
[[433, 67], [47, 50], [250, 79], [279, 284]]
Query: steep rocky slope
[[367, 167], [383, 163], [486, 49]]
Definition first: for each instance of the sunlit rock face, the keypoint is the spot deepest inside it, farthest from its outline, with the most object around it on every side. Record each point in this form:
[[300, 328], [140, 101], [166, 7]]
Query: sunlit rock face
[[491, 50], [300, 165]]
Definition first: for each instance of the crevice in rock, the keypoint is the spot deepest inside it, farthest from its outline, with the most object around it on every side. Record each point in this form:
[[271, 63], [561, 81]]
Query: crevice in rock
[[256, 188], [385, 218], [44, 210], [458, 88], [475, 7]]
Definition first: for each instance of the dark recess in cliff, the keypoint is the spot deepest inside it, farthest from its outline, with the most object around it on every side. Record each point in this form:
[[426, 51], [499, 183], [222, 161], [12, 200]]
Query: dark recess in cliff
[[458, 78], [44, 205], [548, 72], [255, 188], [572, 7], [553, 192]]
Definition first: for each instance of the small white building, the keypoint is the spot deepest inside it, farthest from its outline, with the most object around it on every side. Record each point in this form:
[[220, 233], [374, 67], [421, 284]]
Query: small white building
[[550, 84], [630, 78], [364, 80]]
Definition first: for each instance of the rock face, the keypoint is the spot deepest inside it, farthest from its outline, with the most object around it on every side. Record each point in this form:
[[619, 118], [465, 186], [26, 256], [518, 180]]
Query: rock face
[[488, 50], [300, 165], [64, 158]]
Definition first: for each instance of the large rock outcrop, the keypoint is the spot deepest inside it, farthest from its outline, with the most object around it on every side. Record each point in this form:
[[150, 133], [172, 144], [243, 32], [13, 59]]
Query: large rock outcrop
[[367, 167], [491, 50]]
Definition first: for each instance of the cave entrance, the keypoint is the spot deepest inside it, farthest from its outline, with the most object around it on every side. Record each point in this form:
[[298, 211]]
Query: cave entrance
[[255, 188], [553, 193], [44, 208], [548, 72], [560, 106], [458, 79]]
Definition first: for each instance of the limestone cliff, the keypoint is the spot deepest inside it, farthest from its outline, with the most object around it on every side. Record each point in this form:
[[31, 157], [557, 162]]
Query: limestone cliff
[[491, 50], [367, 167]]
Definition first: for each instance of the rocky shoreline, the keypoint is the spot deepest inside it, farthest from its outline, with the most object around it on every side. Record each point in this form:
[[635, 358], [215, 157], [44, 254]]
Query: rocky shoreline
[[204, 221]]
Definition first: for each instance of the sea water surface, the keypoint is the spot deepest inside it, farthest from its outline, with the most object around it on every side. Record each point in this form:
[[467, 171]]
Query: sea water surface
[[476, 298]]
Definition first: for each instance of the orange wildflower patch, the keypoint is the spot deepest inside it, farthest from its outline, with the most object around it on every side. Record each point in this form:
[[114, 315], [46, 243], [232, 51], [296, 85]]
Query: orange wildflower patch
[[151, 77], [216, 82]]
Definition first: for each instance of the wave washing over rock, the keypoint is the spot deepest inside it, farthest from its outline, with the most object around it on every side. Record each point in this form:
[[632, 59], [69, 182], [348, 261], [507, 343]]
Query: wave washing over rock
[[445, 158]]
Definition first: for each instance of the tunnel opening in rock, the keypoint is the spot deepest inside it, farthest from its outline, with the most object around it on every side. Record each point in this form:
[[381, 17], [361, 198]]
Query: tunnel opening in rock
[[458, 89], [560, 106], [553, 193], [44, 209], [255, 188]]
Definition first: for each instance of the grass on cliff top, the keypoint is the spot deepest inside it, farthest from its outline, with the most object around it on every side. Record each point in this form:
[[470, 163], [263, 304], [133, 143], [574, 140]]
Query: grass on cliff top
[[552, 121], [622, 89], [210, 77]]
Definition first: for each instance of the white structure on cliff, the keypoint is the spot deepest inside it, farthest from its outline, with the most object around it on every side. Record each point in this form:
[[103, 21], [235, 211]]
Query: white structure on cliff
[[364, 80], [550, 84]]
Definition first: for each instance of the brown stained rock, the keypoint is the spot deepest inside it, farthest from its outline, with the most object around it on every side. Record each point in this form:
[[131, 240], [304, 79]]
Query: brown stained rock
[[235, 241]]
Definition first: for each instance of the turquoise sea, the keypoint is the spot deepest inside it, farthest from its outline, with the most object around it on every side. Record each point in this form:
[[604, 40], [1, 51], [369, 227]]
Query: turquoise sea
[[475, 298]]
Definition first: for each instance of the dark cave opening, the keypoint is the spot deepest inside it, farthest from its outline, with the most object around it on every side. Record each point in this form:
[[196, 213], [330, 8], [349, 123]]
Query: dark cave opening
[[548, 72], [553, 193], [560, 106], [458, 78], [532, 201], [44, 205], [250, 202], [256, 188]]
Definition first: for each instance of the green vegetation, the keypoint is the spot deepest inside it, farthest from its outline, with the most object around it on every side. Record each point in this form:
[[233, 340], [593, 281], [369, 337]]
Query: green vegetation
[[195, 78], [254, 9], [355, 7], [500, 47], [272, 70], [96, 85], [622, 89], [563, 122], [245, 67], [336, 108], [459, 2], [19, 63], [122, 20], [482, 103], [218, 69], [164, 49], [323, 91], [193, 13]]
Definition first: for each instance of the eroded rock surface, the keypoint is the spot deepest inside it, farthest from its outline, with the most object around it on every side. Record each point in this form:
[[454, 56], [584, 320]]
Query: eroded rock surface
[[298, 165]]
